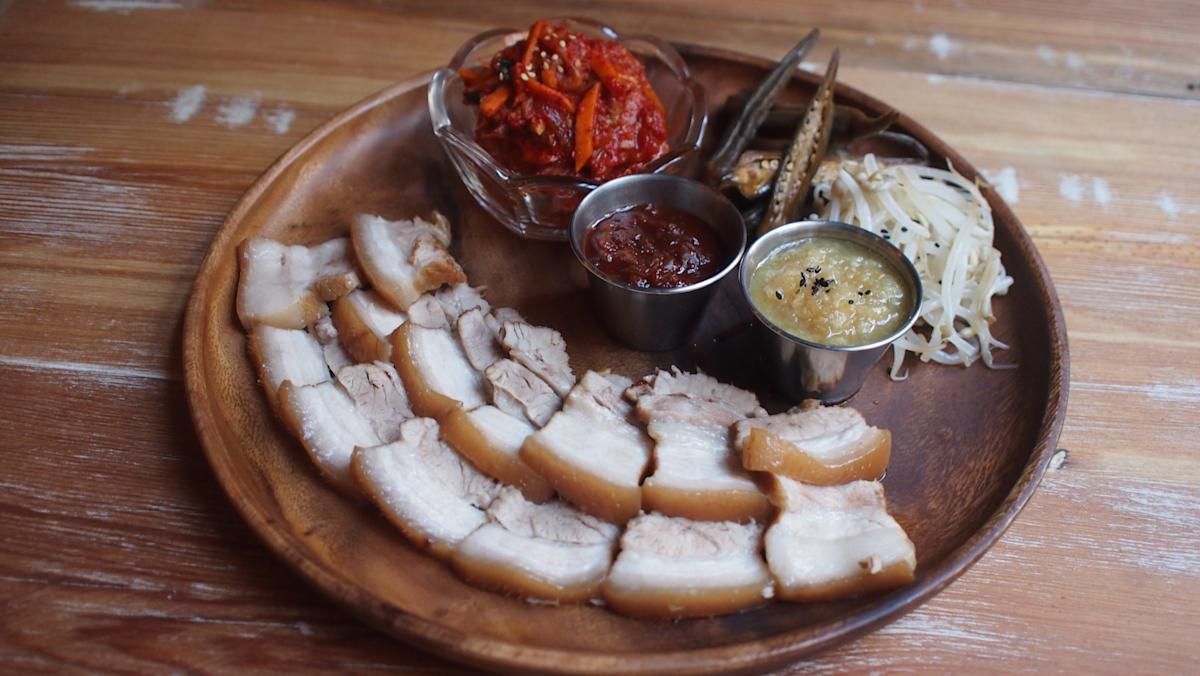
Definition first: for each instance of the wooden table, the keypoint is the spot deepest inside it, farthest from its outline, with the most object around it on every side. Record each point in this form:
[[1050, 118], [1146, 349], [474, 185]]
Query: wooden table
[[128, 128]]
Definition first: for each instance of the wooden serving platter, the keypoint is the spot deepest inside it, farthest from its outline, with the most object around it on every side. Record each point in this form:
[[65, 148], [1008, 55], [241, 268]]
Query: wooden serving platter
[[969, 445]]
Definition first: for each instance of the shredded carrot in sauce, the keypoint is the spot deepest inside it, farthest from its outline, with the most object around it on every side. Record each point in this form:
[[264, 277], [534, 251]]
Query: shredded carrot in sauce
[[564, 103], [585, 123], [550, 94]]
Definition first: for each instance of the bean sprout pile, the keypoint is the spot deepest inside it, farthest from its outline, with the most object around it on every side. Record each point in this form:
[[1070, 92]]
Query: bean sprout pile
[[944, 226]]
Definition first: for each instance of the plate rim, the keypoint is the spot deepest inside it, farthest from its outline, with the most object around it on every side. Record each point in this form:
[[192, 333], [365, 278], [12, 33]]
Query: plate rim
[[747, 655]]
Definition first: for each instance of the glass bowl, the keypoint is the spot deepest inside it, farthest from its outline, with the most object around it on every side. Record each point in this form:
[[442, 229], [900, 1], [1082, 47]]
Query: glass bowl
[[540, 207]]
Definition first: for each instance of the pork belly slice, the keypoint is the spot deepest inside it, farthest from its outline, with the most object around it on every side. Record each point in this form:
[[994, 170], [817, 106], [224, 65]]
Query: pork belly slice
[[479, 332], [697, 473], [671, 567], [457, 299], [491, 440], [378, 395], [598, 395], [500, 315], [286, 354], [541, 350], [434, 496], [551, 551], [326, 334], [329, 427], [479, 340], [698, 385], [405, 258], [436, 373], [817, 445], [835, 541], [365, 321], [591, 451], [287, 286], [520, 392], [428, 312]]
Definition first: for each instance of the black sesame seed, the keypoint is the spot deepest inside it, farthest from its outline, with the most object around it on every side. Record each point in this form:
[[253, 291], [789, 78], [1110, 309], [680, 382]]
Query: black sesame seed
[[868, 292], [938, 244], [904, 228], [850, 302], [778, 294]]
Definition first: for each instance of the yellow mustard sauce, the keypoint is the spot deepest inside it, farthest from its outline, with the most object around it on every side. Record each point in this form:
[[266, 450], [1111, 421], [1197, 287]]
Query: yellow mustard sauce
[[830, 291]]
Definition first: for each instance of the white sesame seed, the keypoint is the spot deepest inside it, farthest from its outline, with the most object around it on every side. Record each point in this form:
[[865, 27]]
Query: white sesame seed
[[524, 76], [562, 43]]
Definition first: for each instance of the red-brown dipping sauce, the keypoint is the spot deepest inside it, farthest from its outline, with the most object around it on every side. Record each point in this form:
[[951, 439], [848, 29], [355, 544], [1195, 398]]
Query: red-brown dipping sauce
[[652, 247]]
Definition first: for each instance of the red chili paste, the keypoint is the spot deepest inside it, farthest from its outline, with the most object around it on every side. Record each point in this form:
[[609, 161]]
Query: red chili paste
[[654, 247]]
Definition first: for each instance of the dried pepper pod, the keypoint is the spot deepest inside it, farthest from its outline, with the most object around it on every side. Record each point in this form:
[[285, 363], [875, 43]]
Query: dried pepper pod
[[804, 155], [757, 106], [849, 123], [754, 173]]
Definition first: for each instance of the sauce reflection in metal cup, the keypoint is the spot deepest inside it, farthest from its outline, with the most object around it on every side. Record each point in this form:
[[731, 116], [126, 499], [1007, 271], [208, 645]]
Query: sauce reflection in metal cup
[[650, 319], [803, 369]]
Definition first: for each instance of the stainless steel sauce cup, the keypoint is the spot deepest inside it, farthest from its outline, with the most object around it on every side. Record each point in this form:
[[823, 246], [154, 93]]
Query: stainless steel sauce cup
[[802, 369], [653, 320]]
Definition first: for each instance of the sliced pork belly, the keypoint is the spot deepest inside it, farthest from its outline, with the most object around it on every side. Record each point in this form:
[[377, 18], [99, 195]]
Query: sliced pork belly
[[518, 391], [365, 321], [671, 567], [835, 541], [697, 473], [551, 551], [697, 385], [428, 312], [591, 451], [328, 425], [436, 373], [479, 340], [541, 350], [286, 354], [326, 334], [817, 445], [457, 299], [500, 315], [334, 281], [491, 439], [379, 396], [405, 258], [287, 286], [599, 396], [434, 496]]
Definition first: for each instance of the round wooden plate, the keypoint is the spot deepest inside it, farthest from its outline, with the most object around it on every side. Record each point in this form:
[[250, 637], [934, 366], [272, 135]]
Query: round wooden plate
[[969, 444]]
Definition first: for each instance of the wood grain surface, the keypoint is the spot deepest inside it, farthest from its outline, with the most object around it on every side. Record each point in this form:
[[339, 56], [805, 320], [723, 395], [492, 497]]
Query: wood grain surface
[[128, 128]]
